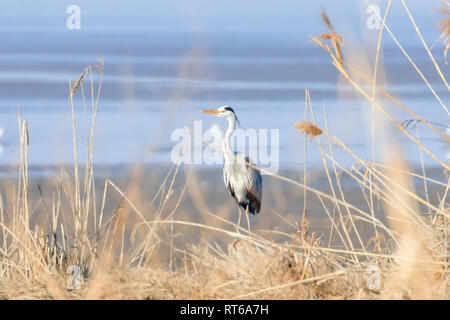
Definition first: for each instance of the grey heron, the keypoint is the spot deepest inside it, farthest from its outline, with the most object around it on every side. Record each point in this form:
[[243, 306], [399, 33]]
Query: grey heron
[[243, 181]]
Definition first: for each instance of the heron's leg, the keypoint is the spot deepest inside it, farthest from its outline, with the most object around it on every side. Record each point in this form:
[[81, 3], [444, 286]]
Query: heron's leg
[[248, 220], [236, 241], [239, 221]]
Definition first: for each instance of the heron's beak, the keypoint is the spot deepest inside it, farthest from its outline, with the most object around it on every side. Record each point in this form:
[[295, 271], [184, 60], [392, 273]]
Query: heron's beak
[[211, 111]]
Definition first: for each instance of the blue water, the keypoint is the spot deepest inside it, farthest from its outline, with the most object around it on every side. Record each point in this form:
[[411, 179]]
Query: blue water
[[166, 61]]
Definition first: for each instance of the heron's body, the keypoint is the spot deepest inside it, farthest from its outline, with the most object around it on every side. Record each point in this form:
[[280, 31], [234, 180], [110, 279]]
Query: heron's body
[[242, 180], [244, 183]]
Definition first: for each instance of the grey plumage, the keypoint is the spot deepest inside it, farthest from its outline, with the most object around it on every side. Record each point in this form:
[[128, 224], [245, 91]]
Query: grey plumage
[[244, 183]]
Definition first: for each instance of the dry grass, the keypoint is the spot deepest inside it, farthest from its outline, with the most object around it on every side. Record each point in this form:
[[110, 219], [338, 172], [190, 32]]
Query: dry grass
[[131, 246], [444, 25], [335, 39], [308, 128]]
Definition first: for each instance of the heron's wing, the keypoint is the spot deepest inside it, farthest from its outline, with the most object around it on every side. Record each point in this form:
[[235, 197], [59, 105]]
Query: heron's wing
[[243, 181], [254, 192]]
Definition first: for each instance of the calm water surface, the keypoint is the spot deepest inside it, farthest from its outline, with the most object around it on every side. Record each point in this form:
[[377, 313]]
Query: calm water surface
[[164, 62]]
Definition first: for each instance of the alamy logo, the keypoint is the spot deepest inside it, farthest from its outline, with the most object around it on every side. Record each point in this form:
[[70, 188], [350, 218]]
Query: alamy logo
[[374, 279], [205, 147], [74, 20], [74, 280], [373, 21]]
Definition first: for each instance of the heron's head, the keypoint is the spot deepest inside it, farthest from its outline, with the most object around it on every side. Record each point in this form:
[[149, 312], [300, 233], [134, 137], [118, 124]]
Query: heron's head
[[223, 112]]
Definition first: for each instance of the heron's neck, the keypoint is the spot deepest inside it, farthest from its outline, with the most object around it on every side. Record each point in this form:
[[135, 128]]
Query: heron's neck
[[228, 153]]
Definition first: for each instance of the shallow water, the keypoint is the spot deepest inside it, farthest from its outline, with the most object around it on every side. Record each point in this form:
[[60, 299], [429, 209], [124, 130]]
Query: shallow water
[[166, 62]]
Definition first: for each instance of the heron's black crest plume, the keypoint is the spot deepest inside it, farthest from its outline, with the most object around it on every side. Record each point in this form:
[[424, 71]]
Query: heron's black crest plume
[[237, 120], [230, 109]]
